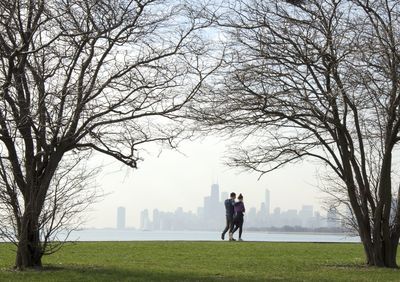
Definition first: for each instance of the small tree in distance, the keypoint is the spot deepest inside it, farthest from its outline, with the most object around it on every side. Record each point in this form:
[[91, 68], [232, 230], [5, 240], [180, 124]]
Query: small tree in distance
[[319, 80], [79, 76]]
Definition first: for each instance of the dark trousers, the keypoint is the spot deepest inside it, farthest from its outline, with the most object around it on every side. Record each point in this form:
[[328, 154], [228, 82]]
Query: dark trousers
[[238, 223], [229, 225]]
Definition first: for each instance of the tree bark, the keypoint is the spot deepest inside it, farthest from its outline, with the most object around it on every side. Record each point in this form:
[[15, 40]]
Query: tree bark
[[381, 254], [29, 251]]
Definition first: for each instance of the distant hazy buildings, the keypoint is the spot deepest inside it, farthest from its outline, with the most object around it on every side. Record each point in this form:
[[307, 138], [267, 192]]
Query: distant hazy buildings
[[121, 218], [267, 202], [211, 216], [333, 218], [145, 220], [208, 217]]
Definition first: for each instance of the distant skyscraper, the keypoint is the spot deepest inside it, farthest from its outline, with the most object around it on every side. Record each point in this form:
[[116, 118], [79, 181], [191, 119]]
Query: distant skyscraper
[[213, 210], [144, 219], [306, 216], [156, 220], [207, 212], [267, 202], [263, 210], [121, 217], [262, 215], [214, 193]]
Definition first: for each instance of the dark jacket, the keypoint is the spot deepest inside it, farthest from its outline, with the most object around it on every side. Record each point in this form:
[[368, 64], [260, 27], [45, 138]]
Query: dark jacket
[[229, 207]]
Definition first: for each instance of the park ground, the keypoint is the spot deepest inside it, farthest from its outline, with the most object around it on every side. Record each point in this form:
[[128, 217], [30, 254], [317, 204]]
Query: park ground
[[200, 261]]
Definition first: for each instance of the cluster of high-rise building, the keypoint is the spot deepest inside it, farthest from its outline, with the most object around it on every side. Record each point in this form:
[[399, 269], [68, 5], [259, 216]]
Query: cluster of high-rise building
[[211, 216]]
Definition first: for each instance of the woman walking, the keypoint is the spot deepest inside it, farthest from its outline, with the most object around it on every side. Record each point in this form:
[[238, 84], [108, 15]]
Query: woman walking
[[238, 217]]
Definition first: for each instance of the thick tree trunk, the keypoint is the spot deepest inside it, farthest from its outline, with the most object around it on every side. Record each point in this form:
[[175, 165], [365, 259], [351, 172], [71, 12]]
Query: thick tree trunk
[[29, 252], [30, 248], [380, 253]]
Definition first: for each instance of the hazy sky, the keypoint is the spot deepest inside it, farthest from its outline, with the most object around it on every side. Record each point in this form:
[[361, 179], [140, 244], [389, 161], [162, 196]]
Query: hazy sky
[[174, 179]]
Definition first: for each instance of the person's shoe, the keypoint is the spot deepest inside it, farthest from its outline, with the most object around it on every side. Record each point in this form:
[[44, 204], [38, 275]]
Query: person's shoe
[[223, 236], [232, 239], [240, 239]]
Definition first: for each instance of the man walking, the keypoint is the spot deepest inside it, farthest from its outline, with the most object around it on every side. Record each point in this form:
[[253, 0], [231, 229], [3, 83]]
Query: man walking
[[229, 211]]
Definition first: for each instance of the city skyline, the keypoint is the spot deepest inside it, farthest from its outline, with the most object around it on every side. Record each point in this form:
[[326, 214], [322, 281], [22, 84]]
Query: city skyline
[[211, 216], [181, 178]]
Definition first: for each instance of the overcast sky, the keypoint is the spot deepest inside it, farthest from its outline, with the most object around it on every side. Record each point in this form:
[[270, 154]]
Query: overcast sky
[[172, 179]]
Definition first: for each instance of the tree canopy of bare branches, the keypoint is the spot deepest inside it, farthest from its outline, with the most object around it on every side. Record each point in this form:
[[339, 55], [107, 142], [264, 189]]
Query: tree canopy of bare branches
[[79, 75], [317, 79]]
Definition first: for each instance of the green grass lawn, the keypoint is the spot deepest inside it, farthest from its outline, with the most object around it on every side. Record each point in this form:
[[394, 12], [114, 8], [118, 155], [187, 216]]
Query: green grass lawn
[[200, 261]]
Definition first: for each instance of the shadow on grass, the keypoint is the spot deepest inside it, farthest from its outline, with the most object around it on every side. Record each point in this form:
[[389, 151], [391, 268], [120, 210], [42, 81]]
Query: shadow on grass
[[100, 273]]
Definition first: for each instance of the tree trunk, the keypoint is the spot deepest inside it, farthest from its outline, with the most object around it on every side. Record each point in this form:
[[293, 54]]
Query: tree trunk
[[30, 248], [381, 253], [29, 252], [391, 258]]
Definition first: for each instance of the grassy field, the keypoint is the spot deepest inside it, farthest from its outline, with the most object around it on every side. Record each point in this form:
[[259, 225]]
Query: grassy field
[[200, 261]]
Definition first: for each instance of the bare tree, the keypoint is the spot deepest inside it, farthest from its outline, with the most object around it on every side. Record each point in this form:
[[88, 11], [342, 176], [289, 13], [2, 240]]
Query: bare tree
[[79, 75], [317, 79]]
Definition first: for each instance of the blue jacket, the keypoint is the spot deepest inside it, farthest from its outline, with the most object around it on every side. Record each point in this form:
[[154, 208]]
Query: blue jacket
[[229, 207]]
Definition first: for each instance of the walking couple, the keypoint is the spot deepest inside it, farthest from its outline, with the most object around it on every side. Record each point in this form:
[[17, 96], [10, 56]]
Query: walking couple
[[234, 216]]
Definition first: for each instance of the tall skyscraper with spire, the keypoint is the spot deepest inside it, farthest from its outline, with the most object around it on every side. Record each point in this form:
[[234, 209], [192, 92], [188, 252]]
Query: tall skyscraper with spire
[[213, 209], [215, 193]]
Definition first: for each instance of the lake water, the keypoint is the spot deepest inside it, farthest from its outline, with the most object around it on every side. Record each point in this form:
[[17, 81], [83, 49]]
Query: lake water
[[138, 235]]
